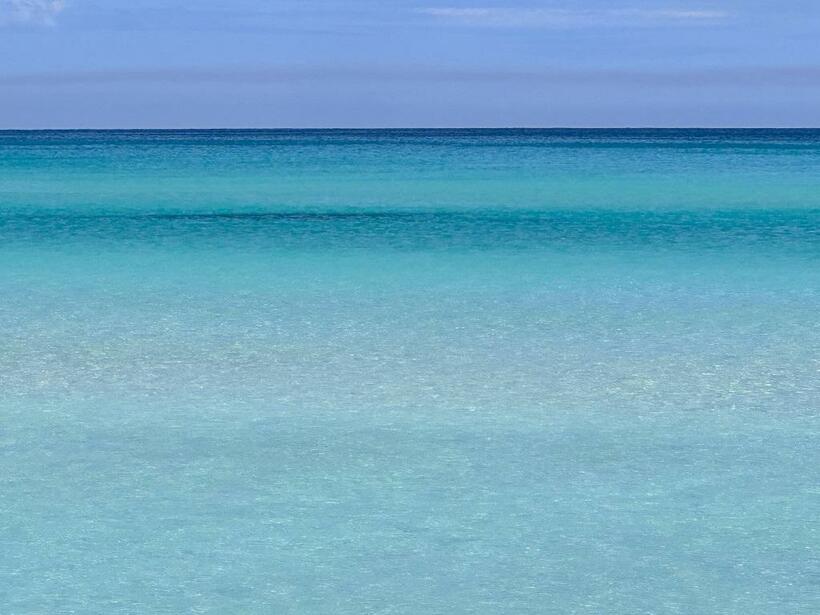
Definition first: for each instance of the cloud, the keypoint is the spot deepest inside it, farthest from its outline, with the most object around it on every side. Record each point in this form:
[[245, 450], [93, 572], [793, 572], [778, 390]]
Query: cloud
[[39, 12], [523, 17], [749, 76]]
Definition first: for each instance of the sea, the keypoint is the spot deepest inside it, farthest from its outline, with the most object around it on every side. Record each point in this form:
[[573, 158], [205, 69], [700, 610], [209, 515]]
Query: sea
[[410, 372]]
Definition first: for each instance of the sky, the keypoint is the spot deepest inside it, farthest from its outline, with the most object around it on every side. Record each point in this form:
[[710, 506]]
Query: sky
[[408, 63]]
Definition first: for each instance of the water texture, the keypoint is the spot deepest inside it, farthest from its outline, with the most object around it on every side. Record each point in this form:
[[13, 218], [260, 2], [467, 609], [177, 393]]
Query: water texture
[[520, 371]]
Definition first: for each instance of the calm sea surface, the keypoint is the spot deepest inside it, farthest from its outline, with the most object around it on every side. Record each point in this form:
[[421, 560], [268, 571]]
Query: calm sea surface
[[350, 372]]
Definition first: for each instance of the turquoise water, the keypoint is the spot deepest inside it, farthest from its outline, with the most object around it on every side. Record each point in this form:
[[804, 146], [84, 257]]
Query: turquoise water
[[410, 372]]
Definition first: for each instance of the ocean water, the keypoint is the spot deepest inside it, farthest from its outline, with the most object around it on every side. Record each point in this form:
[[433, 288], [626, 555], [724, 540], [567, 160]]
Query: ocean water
[[410, 372]]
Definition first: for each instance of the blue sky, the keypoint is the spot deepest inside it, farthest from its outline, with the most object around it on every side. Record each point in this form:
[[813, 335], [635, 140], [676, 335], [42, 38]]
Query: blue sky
[[250, 63]]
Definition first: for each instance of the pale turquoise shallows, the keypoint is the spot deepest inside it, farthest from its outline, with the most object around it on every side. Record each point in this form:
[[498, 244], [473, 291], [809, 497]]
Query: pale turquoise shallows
[[350, 372]]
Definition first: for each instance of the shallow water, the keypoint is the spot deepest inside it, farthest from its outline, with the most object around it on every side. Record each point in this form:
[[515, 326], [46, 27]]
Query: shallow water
[[410, 372]]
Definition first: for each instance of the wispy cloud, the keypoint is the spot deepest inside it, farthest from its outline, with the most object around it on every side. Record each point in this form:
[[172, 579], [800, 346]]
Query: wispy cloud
[[287, 76], [38, 12], [569, 18]]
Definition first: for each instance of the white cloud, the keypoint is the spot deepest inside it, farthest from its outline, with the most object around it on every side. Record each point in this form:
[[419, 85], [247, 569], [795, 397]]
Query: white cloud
[[541, 17], [41, 12], [682, 14]]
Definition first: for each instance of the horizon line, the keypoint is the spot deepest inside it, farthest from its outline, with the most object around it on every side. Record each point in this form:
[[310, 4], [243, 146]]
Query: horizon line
[[364, 128]]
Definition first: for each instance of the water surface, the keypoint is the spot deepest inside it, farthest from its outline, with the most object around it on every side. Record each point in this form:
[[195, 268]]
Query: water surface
[[410, 371]]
